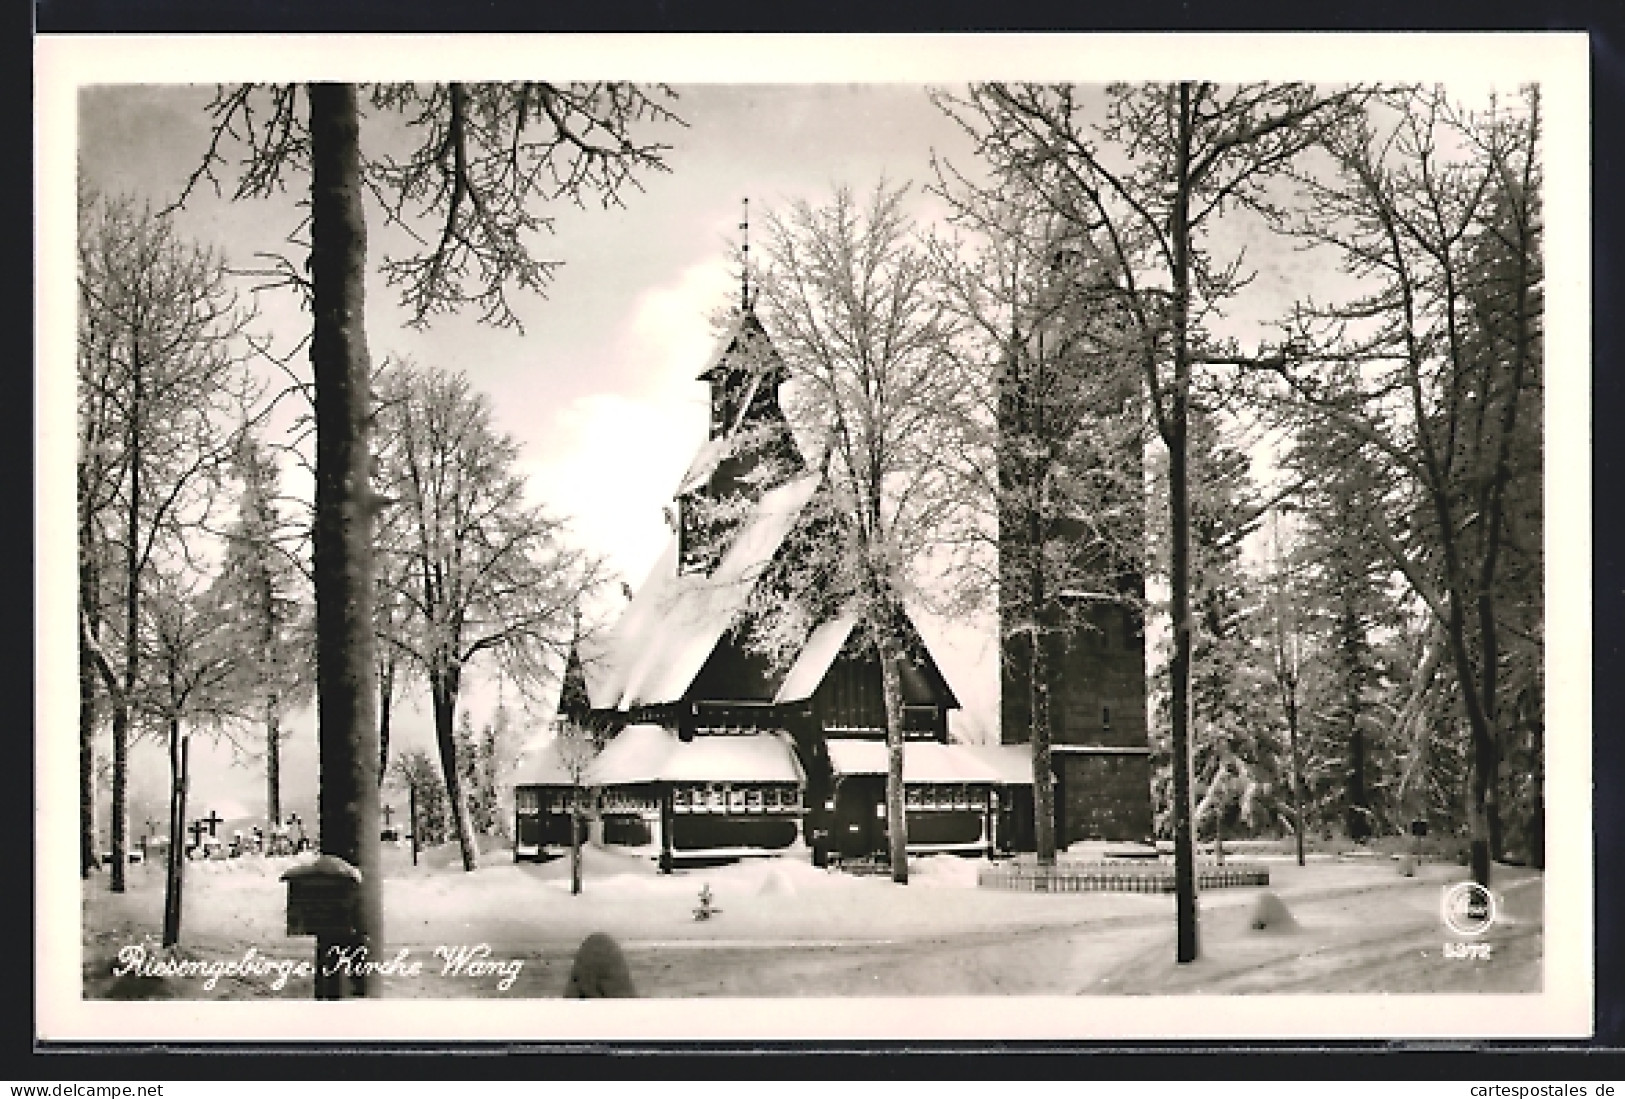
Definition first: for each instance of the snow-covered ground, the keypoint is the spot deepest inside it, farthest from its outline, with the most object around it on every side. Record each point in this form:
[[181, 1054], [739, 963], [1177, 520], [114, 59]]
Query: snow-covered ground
[[784, 927]]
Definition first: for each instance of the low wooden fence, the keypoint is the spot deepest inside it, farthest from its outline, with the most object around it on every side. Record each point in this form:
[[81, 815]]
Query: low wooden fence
[[1113, 877]]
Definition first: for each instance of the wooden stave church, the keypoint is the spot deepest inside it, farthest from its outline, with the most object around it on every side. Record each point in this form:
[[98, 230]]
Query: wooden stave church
[[712, 750]]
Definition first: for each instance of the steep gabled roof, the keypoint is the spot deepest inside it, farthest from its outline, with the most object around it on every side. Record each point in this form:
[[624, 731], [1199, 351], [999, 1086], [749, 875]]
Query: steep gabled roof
[[746, 328], [675, 620]]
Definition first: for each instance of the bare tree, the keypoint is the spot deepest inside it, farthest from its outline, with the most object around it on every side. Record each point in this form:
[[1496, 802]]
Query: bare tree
[[477, 158], [577, 745], [485, 572], [847, 292], [1149, 176], [162, 391], [1052, 449], [196, 665]]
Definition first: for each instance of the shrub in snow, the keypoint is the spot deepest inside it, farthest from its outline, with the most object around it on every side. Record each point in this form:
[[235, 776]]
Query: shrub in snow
[[599, 971]]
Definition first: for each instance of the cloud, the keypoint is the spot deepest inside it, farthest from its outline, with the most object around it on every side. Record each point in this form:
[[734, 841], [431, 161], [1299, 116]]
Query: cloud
[[615, 457]]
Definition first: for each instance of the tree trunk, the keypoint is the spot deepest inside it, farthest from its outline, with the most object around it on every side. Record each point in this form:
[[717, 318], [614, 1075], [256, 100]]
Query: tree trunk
[[1218, 834], [412, 808], [1492, 810], [90, 591], [1358, 823], [1043, 773], [88, 859], [120, 812], [273, 765], [1481, 749], [891, 691], [1530, 709], [344, 514], [1297, 774], [1478, 825], [575, 850], [444, 688], [1180, 553], [180, 751], [386, 697]]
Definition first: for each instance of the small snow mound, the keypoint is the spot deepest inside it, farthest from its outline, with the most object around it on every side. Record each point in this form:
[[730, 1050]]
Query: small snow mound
[[776, 883], [1270, 914], [599, 970], [945, 872]]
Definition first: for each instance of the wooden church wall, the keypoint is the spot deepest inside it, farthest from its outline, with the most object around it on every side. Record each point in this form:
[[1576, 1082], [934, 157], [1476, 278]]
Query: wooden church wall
[[850, 701]]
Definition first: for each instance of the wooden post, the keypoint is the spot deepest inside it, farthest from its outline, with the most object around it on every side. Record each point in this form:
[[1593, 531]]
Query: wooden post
[[989, 821], [665, 831]]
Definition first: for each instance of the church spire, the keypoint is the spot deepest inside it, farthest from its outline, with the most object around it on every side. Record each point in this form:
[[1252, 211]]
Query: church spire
[[744, 256]]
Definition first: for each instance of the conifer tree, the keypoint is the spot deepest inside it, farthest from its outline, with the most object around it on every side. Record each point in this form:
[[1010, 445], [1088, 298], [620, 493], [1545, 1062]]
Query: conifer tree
[[261, 591], [1434, 370]]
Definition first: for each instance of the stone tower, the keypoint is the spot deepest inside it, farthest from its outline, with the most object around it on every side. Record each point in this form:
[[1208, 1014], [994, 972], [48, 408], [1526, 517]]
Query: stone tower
[[1090, 614]]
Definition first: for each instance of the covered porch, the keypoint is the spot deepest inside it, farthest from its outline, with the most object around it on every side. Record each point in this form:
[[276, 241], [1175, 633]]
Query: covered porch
[[712, 797], [952, 794]]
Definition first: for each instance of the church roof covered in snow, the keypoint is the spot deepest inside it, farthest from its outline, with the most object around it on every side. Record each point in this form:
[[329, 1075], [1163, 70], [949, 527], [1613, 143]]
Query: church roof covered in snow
[[676, 619], [541, 766], [822, 647], [1012, 762], [650, 753], [923, 761]]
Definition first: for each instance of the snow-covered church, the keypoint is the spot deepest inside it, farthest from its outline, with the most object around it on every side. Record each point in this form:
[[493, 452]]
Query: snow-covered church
[[713, 749]]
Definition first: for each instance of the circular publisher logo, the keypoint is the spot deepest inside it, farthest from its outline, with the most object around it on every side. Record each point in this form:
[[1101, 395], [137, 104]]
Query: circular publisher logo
[[1469, 908]]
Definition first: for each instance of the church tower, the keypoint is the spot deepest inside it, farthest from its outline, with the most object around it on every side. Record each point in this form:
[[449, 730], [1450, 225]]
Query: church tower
[[749, 449], [1089, 618]]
